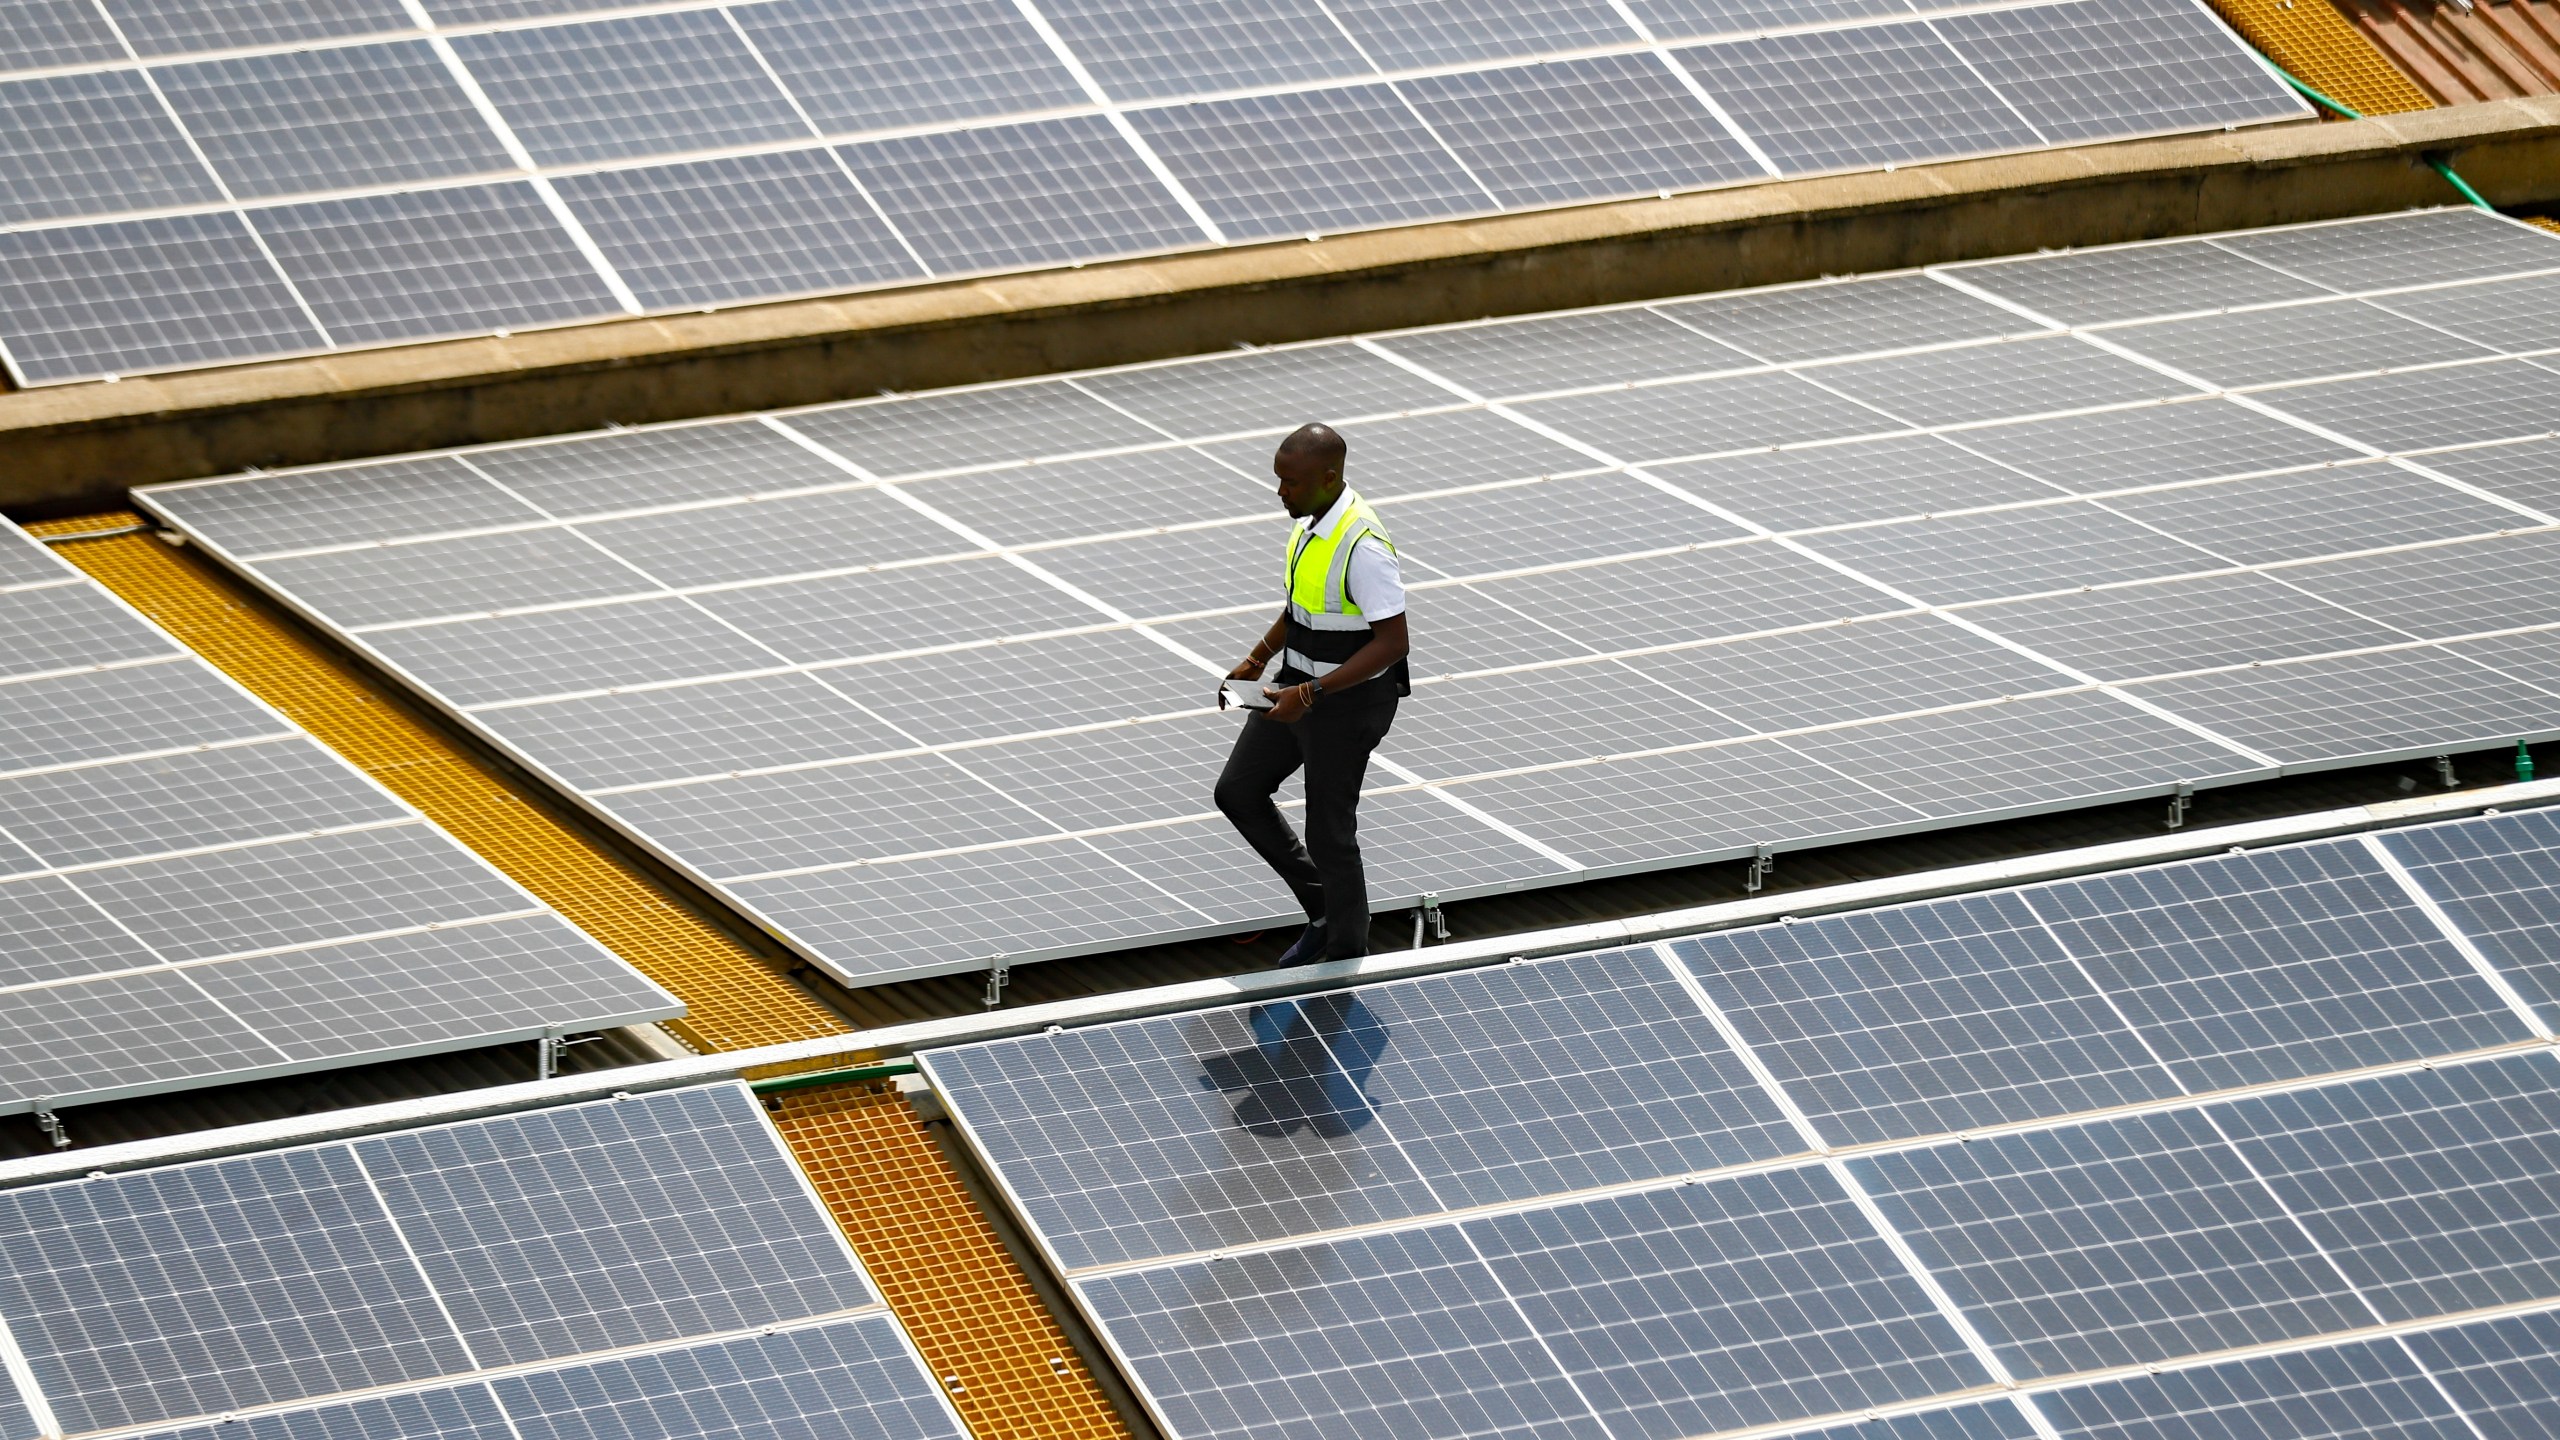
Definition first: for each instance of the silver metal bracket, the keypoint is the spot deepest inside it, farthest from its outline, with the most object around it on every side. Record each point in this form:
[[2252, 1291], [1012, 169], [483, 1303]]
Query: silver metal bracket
[[553, 1047], [2181, 803], [51, 1125], [1763, 861], [998, 972], [2444, 772], [1426, 909]]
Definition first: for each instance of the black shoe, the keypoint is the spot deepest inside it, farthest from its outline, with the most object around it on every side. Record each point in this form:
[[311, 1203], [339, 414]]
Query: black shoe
[[1309, 946]]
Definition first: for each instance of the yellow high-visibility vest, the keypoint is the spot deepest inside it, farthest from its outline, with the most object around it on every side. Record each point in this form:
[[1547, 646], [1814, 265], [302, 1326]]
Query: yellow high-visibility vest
[[1325, 624]]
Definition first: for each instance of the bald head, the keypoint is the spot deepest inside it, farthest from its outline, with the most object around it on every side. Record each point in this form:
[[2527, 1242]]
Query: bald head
[[1309, 464]]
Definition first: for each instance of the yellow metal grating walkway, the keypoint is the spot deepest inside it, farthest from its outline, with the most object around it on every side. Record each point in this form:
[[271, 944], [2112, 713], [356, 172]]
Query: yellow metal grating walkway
[[1001, 1356], [2325, 51], [736, 999]]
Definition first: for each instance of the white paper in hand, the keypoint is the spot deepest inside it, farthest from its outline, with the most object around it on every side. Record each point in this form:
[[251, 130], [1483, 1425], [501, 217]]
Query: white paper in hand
[[1243, 695]]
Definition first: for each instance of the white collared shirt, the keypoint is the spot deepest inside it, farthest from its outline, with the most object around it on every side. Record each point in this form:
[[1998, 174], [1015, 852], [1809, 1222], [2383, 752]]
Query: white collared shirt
[[1373, 580]]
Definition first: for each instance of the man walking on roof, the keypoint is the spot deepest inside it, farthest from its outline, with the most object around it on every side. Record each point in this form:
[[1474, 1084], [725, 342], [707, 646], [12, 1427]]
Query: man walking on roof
[[1342, 642]]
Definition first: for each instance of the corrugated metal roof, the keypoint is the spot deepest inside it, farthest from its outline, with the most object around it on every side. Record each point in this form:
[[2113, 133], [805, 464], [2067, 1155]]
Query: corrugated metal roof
[[2460, 51]]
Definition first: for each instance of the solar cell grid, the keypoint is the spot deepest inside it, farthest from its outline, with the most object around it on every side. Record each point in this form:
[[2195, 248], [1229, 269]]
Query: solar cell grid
[[1732, 589], [176, 27], [632, 85], [1145, 49], [2491, 877], [859, 1377], [2464, 588], [1846, 317], [331, 119], [751, 824], [434, 262], [744, 724], [2499, 1371], [2154, 629], [749, 226], [1954, 558], [914, 435], [1703, 19], [1925, 1020], [767, 538], [2079, 72], [92, 300], [2293, 342], [1016, 195], [70, 627], [2095, 287], [1713, 1306], [101, 714], [1848, 672], [2371, 1389], [593, 1227], [1122, 775], [1579, 130], [1563, 352], [53, 931], [462, 576], [634, 469], [123, 1035], [1310, 161], [891, 610], [1174, 572], [864, 66], [2337, 708], [1066, 499], [2119, 1242], [1884, 479], [2516, 316], [1990, 382], [311, 509], [2317, 512], [91, 144], [55, 32], [1541, 717], [1703, 417], [2422, 409], [462, 1412], [1549, 523], [557, 652], [1027, 685], [1273, 390], [1840, 99], [1411, 34], [2149, 445], [2276, 964], [178, 802], [2438, 246], [2435, 1191], [1429, 452], [25, 561], [2527, 472]]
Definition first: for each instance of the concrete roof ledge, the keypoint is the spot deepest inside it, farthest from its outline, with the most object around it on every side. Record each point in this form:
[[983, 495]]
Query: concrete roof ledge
[[82, 445]]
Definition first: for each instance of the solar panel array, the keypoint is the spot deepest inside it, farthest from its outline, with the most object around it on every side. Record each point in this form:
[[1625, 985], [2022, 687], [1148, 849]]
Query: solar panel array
[[2261, 1145], [194, 891], [921, 681], [187, 183], [642, 1268]]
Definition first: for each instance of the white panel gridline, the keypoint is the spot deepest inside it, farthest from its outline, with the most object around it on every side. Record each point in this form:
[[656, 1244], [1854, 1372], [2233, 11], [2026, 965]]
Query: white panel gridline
[[946, 138], [193, 891], [662, 1255], [1771, 632], [2109, 1259]]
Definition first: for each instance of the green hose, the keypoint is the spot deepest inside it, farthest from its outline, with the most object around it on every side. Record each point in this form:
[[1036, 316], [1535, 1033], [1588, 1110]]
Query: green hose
[[2461, 186]]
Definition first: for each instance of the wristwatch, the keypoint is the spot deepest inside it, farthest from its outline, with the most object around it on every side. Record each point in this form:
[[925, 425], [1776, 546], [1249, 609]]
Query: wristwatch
[[1315, 692]]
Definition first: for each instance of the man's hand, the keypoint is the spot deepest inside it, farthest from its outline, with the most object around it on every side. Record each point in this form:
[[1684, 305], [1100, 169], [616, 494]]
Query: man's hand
[[1249, 668], [1288, 705]]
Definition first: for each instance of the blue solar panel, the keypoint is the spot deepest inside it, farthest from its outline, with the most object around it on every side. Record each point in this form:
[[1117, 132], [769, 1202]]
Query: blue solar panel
[[1725, 1304], [1894, 1024], [2122, 1242], [464, 1412], [637, 85], [2436, 1191], [1579, 130], [38, 33], [1996, 1420], [1313, 161], [2276, 964], [857, 65], [1027, 194], [90, 144], [2498, 877], [2121, 67], [1405, 1333], [2505, 1374], [2350, 1393], [177, 27], [1705, 19], [747, 227], [852, 1378]]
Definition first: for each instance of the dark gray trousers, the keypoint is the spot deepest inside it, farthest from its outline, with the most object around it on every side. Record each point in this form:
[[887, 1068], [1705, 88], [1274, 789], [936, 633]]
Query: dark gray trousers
[[1332, 743]]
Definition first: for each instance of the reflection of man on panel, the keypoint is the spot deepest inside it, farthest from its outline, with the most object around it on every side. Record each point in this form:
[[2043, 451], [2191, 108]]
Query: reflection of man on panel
[[1342, 643]]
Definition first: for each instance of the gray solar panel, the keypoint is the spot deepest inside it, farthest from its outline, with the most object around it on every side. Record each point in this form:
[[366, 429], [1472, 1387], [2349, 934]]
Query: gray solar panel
[[1834, 673], [199, 798], [101, 714], [1266, 390], [2149, 445], [2493, 877], [2294, 342], [312, 509], [1144, 49], [1007, 196], [458, 576], [1108, 494], [2510, 315], [53, 932], [91, 143], [852, 1377], [980, 694], [556, 652], [2085, 71], [1413, 34], [1851, 317], [746, 227], [90, 300], [2316, 512], [1311, 161], [1837, 99], [1428, 452], [2499, 1371], [70, 627], [926, 433], [2437, 590], [40, 33], [1995, 553], [2525, 472], [873, 809], [764, 539], [2341, 709], [1580, 130], [2421, 409], [634, 85], [889, 611], [331, 119], [433, 262], [630, 738], [1586, 517], [2456, 244], [1900, 475], [857, 65], [1703, 19], [637, 468], [2093, 287], [2156, 629], [2372, 1389], [176, 27], [1561, 352]]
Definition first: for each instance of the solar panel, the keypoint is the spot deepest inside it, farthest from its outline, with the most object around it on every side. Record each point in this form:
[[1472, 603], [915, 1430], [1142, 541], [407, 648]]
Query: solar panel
[[1580, 130], [1009, 196], [1251, 1202], [632, 85], [205, 894], [91, 143], [869, 66], [1842, 99], [1413, 34], [55, 32], [2084, 71], [1751, 689], [749, 226], [1139, 50], [172, 27], [1298, 163], [2261, 347], [2489, 875], [396, 1266], [90, 300], [331, 119]]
